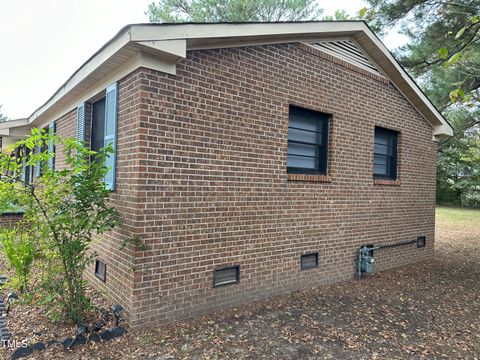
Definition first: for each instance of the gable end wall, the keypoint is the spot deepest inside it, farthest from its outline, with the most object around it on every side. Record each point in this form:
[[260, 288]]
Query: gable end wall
[[213, 187]]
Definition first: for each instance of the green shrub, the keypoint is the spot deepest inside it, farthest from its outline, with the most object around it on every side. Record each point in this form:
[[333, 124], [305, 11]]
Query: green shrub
[[20, 252], [65, 210]]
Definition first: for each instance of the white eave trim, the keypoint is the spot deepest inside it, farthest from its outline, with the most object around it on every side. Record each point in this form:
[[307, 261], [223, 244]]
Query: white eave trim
[[13, 123], [145, 32], [160, 46], [443, 128]]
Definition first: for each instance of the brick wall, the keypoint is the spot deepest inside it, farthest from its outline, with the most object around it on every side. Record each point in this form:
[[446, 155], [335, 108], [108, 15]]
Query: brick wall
[[9, 220], [216, 192], [201, 180]]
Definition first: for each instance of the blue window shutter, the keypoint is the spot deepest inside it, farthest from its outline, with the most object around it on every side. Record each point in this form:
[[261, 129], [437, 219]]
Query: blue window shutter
[[38, 166], [110, 135], [51, 146], [81, 116]]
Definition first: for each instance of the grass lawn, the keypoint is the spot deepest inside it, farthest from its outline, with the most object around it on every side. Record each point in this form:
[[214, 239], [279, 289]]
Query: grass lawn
[[424, 311], [458, 235], [455, 217]]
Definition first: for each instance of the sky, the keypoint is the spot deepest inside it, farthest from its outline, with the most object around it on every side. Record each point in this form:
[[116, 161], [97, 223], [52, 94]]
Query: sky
[[44, 41]]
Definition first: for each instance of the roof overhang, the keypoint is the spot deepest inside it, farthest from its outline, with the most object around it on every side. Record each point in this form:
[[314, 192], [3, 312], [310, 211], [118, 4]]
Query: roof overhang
[[161, 46], [15, 128]]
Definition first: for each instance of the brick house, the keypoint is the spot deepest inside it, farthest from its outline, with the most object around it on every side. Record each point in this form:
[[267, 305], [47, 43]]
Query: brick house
[[250, 159]]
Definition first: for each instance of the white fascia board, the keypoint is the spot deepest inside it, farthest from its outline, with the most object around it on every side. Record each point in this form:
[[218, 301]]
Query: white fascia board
[[139, 60], [144, 32], [16, 131], [13, 123], [161, 46], [163, 56], [93, 63]]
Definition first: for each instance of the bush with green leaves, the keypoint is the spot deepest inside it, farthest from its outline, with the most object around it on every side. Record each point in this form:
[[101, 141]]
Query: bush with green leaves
[[20, 251], [65, 210]]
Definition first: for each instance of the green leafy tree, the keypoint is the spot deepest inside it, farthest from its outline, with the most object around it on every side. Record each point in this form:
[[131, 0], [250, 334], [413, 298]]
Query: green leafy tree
[[443, 54], [64, 209], [340, 15], [205, 11], [444, 48], [458, 172], [343, 15]]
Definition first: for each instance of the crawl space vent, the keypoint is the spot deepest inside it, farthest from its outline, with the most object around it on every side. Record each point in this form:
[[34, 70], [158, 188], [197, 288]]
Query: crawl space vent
[[421, 241], [101, 270], [226, 276], [348, 51], [309, 261]]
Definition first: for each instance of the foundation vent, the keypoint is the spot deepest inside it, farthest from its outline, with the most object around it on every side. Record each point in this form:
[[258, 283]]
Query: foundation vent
[[421, 241], [101, 270], [309, 261], [226, 276]]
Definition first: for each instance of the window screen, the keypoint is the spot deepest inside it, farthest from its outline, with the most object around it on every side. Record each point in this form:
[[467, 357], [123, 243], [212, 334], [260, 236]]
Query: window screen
[[307, 141], [385, 154]]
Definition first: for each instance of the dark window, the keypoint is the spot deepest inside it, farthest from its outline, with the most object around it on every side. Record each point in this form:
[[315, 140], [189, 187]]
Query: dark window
[[98, 125], [27, 170], [52, 128], [226, 276], [307, 141], [309, 261], [101, 270], [385, 154]]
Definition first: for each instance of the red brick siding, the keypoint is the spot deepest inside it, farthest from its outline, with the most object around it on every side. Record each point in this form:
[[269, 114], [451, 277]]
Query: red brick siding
[[216, 193], [10, 220], [201, 179]]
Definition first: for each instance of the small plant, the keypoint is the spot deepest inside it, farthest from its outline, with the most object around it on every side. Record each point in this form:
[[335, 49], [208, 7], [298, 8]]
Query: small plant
[[20, 251]]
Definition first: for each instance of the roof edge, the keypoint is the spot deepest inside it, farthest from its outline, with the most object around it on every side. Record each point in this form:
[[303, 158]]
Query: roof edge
[[204, 33]]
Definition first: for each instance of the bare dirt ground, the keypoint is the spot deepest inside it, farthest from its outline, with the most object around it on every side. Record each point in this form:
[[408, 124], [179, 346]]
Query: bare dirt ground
[[426, 311]]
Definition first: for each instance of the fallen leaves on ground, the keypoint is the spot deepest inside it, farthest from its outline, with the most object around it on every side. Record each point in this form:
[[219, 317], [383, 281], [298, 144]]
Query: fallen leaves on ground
[[423, 311]]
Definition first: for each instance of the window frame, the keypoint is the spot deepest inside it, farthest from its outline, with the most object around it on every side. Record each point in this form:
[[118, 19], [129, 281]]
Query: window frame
[[393, 165], [322, 162]]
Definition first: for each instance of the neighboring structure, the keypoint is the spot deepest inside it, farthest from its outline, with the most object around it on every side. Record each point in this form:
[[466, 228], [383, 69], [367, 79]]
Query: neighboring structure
[[270, 152]]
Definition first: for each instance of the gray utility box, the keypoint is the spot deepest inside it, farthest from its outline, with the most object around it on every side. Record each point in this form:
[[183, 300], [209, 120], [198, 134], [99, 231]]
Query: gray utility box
[[367, 261]]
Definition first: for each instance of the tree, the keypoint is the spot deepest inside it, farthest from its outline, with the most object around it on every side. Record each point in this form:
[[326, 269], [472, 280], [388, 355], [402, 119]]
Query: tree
[[458, 171], [204, 11], [3, 117], [64, 210], [443, 54], [444, 48], [340, 15]]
